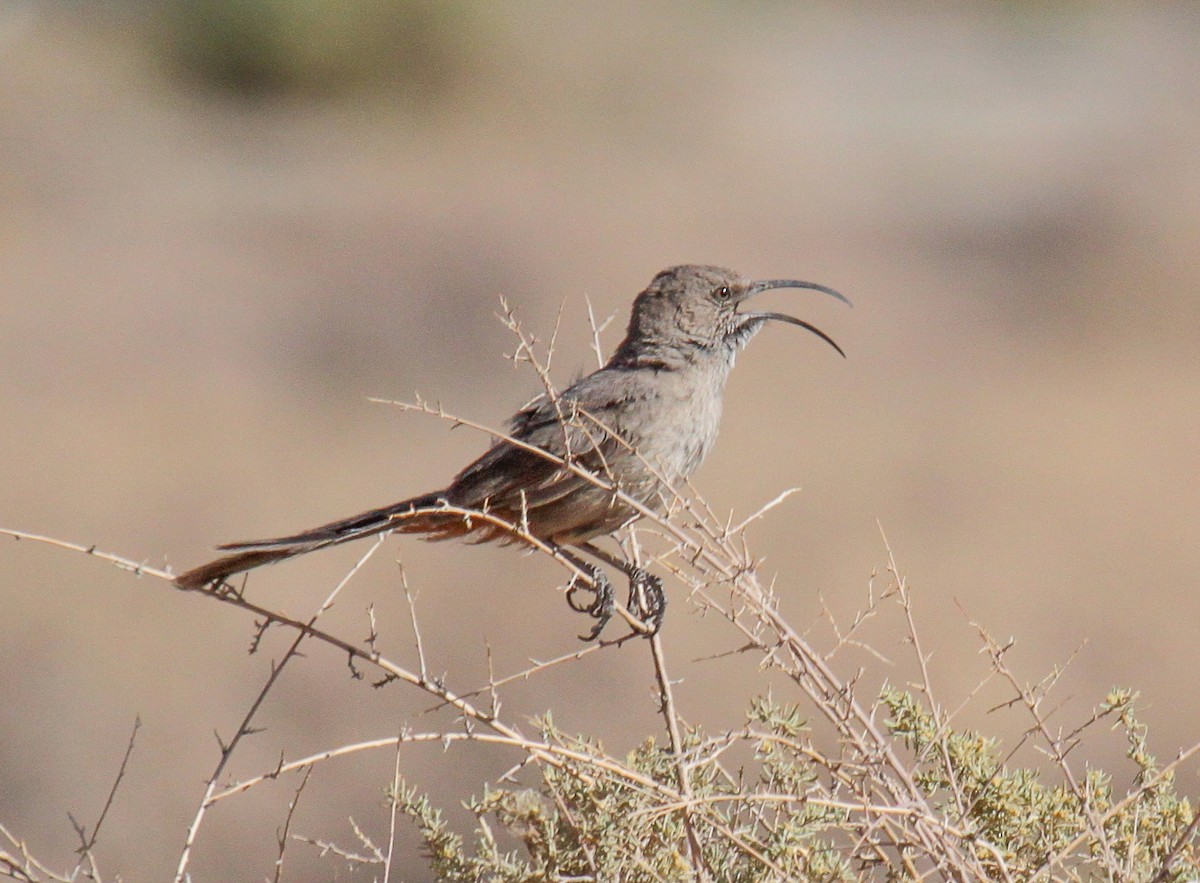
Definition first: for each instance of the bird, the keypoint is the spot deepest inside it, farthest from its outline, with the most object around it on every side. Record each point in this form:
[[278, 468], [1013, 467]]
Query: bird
[[580, 464]]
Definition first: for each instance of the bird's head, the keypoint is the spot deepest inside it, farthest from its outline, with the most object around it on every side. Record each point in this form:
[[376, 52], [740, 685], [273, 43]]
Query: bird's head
[[698, 309]]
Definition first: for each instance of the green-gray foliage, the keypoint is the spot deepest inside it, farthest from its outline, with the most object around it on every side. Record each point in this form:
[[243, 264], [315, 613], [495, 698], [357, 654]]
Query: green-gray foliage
[[314, 48], [1026, 821], [592, 819]]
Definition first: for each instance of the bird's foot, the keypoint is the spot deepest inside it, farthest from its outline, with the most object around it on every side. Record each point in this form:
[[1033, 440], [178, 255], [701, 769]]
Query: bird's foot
[[647, 600], [600, 607]]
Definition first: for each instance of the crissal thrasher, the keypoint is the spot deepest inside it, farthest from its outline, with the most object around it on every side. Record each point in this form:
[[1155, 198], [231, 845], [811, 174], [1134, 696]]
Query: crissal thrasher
[[572, 463]]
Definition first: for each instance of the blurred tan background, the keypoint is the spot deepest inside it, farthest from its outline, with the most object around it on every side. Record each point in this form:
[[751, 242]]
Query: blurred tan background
[[224, 225]]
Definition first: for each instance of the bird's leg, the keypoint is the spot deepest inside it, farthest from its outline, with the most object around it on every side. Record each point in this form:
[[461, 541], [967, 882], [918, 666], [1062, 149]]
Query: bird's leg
[[647, 600], [602, 606]]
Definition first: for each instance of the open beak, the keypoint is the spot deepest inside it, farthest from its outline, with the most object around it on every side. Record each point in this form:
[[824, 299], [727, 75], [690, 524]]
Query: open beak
[[758, 287]]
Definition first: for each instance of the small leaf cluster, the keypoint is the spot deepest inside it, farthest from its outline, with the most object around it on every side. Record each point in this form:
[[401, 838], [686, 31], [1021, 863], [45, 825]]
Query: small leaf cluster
[[1023, 827], [598, 818], [595, 817]]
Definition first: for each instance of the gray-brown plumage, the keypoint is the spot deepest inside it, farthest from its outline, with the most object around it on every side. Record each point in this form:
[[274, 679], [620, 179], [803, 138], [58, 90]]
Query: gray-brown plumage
[[643, 422]]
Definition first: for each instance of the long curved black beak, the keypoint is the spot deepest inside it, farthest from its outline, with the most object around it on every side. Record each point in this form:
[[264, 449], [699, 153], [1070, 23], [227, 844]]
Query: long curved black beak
[[758, 287]]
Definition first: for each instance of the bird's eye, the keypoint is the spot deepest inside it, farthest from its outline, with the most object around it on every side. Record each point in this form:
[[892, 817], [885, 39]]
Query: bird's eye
[[722, 293]]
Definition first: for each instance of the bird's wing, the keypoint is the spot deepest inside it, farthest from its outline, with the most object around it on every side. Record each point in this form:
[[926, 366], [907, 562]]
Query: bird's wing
[[572, 427]]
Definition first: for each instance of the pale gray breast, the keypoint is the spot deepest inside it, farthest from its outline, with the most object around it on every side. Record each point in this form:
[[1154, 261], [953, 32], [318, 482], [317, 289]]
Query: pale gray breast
[[679, 425]]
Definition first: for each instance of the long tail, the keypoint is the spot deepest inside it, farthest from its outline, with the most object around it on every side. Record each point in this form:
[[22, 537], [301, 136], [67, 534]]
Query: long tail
[[249, 555]]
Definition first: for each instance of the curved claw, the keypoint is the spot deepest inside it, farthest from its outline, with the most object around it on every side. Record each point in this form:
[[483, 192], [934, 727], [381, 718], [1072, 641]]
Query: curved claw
[[572, 591], [599, 608], [647, 600]]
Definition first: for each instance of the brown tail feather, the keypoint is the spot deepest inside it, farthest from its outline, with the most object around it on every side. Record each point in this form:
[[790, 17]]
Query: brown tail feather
[[230, 564], [249, 555]]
